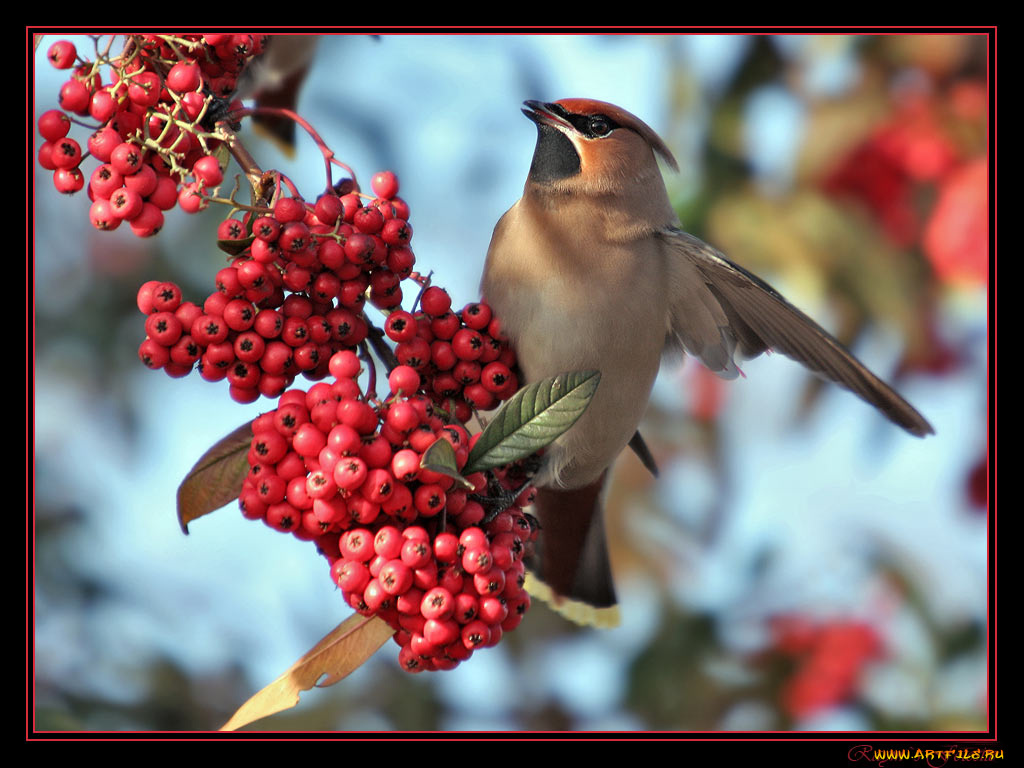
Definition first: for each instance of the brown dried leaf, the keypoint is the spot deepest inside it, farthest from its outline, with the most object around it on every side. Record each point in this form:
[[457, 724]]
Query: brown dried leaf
[[341, 652], [216, 479]]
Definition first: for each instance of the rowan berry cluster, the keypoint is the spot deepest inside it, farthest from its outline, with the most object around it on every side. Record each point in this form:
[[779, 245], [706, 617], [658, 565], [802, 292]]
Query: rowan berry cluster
[[464, 357], [436, 560], [436, 555], [154, 106], [295, 294], [829, 660]]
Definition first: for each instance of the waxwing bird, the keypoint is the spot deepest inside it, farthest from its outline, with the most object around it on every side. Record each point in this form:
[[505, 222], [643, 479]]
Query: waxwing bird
[[591, 270]]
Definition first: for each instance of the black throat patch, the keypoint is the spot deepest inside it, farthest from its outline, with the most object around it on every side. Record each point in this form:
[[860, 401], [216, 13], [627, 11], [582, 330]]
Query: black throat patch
[[555, 156]]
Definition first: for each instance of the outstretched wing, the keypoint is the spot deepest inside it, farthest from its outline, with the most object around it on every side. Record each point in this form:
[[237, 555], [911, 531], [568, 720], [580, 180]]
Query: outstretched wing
[[719, 308]]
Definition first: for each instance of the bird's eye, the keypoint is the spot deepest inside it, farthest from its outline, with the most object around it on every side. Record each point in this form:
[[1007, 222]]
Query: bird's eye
[[599, 126]]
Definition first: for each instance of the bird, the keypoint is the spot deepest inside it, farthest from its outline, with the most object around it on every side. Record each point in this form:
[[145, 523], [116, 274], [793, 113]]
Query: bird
[[591, 270]]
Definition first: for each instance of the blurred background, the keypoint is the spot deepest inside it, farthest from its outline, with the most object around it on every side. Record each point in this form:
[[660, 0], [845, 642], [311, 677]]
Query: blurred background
[[800, 564]]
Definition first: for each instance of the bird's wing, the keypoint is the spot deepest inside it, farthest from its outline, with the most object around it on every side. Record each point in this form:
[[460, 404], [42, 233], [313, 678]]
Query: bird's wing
[[719, 308]]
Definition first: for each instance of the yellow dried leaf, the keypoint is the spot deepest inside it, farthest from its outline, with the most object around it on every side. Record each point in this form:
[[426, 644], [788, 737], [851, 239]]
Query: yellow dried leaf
[[341, 652]]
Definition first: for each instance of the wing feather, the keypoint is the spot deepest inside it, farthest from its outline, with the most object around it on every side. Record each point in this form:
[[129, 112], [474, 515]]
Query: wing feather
[[718, 308]]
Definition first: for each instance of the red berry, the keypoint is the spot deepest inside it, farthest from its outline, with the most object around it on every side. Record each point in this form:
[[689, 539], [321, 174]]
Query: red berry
[[404, 379], [165, 195], [368, 220], [144, 182], [384, 184], [126, 158], [149, 221], [102, 142], [102, 106], [153, 354], [439, 633], [184, 76], [144, 89], [45, 156], [400, 326], [328, 209], [396, 232], [191, 198], [230, 229], [249, 347], [476, 316], [401, 260], [127, 205], [54, 125], [105, 180], [402, 416], [350, 473], [266, 228], [416, 552], [345, 365], [75, 97], [102, 216], [429, 499], [288, 209], [67, 181], [395, 577], [357, 544], [378, 486], [207, 170], [445, 326], [476, 633], [438, 603], [62, 54], [362, 510], [435, 301], [351, 575], [66, 153], [309, 440], [164, 328], [388, 542]]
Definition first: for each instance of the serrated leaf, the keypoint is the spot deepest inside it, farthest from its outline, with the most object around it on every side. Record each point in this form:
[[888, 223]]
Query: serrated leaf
[[533, 418], [440, 458], [216, 479], [338, 654]]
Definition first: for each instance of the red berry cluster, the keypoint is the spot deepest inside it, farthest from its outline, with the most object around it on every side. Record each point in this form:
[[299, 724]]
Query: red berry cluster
[[294, 295], [829, 660], [405, 543], [464, 358], [150, 136], [439, 559]]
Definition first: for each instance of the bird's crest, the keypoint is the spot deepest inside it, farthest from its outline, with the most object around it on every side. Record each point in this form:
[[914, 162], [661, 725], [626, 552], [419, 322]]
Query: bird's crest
[[624, 118]]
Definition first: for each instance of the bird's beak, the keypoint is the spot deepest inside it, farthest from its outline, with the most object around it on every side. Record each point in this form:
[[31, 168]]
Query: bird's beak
[[546, 114]]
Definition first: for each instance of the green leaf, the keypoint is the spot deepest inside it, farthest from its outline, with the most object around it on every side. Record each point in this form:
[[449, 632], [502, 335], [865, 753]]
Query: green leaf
[[534, 417], [440, 458], [216, 479], [235, 247]]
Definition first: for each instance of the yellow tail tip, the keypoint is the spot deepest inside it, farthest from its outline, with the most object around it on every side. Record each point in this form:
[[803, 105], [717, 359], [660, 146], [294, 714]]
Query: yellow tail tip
[[573, 610]]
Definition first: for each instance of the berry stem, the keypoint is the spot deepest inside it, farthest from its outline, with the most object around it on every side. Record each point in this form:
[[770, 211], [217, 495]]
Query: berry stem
[[371, 369], [376, 338], [243, 157], [326, 151]]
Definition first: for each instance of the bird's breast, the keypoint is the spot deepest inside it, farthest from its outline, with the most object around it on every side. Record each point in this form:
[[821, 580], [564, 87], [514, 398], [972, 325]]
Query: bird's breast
[[572, 300]]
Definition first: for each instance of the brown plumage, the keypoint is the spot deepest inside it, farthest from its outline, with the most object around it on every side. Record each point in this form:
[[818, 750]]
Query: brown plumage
[[590, 270]]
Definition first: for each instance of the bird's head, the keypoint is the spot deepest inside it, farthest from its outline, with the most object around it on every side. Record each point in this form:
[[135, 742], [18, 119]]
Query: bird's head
[[589, 146]]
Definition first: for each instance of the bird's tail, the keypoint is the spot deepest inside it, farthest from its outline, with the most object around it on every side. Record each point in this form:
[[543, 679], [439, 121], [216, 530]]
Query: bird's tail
[[570, 569]]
